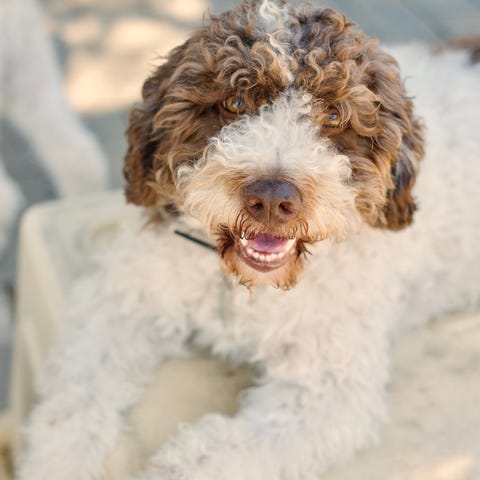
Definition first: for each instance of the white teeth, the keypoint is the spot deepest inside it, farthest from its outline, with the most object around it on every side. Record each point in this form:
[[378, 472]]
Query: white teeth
[[266, 258], [242, 236]]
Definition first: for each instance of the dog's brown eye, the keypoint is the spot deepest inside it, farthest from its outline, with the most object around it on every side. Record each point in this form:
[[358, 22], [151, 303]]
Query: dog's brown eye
[[332, 119], [235, 105]]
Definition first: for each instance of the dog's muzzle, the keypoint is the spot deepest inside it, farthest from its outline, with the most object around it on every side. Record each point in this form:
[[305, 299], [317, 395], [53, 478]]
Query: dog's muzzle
[[272, 203]]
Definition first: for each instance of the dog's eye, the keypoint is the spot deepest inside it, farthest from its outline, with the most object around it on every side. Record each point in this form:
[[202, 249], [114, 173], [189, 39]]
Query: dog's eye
[[332, 119], [234, 105]]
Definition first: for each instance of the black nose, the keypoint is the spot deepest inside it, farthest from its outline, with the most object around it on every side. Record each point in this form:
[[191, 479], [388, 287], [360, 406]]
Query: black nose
[[272, 201]]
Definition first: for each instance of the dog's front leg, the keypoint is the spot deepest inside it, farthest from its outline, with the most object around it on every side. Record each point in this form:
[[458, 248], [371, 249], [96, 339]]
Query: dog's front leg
[[91, 380], [285, 429]]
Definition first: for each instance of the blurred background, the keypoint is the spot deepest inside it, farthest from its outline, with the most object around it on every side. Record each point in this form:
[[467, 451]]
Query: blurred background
[[107, 48]]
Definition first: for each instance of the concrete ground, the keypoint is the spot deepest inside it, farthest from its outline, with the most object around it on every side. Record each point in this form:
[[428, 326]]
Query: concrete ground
[[107, 49]]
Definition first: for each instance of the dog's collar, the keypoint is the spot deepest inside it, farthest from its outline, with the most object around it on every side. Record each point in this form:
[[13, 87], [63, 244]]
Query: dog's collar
[[196, 240]]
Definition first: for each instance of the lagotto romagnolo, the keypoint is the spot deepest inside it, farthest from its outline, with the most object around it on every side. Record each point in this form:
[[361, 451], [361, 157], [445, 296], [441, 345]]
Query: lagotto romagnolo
[[345, 207]]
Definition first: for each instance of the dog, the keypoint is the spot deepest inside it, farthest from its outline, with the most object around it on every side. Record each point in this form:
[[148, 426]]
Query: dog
[[337, 211], [32, 98]]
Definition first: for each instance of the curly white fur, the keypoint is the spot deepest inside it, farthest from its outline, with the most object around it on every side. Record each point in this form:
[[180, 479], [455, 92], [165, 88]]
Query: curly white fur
[[282, 138], [320, 349]]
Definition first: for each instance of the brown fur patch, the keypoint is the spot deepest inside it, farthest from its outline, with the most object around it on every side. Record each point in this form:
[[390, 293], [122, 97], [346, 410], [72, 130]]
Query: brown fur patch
[[337, 64]]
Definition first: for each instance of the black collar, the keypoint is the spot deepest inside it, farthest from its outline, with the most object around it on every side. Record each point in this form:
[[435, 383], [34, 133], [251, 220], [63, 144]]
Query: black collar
[[193, 239]]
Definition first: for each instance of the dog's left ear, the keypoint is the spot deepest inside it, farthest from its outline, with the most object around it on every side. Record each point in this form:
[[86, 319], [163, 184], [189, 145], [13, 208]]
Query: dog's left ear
[[148, 176], [399, 144], [139, 166], [400, 206]]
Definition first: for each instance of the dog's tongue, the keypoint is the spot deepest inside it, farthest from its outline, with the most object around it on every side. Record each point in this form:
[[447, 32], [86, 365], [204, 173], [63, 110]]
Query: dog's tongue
[[268, 244]]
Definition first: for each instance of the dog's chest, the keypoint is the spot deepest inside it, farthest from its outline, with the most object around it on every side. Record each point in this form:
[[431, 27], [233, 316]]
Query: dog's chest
[[346, 291], [291, 334], [183, 286]]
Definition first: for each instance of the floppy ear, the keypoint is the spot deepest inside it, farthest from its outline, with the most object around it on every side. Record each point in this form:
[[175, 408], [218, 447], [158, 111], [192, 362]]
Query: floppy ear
[[400, 207], [147, 174], [398, 146]]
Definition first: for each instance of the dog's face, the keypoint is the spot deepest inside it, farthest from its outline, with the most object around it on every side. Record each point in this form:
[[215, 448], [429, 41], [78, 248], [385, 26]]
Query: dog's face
[[276, 126]]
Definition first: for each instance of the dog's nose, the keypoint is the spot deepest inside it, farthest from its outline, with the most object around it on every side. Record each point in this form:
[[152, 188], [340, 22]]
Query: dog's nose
[[272, 201]]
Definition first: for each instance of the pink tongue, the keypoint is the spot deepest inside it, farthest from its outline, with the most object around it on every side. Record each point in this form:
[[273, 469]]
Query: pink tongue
[[268, 244]]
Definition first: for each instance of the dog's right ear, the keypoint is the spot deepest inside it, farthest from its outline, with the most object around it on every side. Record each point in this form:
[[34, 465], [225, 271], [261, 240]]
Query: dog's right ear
[[148, 177]]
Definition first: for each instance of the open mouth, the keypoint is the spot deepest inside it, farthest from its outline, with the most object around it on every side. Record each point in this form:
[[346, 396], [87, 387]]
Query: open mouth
[[266, 252]]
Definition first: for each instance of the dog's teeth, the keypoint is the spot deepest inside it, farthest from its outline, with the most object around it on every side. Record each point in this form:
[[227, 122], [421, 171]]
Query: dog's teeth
[[267, 257]]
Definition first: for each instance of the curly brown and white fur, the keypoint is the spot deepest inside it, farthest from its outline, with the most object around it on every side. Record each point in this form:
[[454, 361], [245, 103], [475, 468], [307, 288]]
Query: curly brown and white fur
[[276, 130], [266, 56]]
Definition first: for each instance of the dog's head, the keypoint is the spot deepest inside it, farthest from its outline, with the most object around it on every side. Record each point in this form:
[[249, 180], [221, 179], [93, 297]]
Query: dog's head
[[276, 126]]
